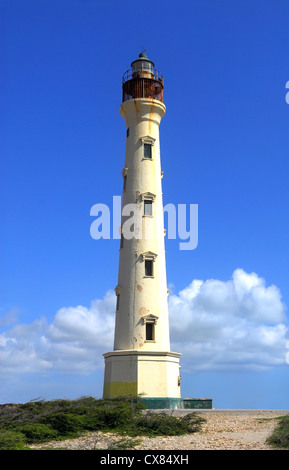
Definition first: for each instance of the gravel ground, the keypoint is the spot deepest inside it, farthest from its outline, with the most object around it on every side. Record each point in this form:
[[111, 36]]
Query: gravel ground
[[223, 430]]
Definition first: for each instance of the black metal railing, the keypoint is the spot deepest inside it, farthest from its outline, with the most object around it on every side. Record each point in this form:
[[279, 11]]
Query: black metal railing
[[142, 84]]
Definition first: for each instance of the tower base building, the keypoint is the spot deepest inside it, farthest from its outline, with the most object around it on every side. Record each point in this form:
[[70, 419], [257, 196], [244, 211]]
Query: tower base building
[[153, 376]]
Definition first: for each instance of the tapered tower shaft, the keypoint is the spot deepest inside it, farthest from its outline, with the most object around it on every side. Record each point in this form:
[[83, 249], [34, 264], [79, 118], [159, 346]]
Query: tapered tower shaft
[[142, 283]]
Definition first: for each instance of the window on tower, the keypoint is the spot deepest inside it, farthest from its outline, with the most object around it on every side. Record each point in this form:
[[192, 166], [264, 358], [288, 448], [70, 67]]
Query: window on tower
[[117, 302], [147, 144], [148, 259], [147, 151], [149, 322], [117, 293], [150, 331], [148, 207], [124, 175], [149, 268]]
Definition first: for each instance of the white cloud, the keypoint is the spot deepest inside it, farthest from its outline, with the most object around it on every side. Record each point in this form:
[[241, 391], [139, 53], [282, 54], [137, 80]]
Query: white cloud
[[228, 324], [73, 343], [214, 324], [19, 349], [78, 336]]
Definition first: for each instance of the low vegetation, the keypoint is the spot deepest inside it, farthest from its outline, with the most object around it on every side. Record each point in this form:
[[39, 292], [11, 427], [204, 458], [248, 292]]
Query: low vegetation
[[41, 421], [280, 437]]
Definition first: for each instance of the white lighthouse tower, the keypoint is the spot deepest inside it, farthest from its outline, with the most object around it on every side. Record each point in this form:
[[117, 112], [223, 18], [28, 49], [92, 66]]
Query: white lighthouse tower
[[141, 363]]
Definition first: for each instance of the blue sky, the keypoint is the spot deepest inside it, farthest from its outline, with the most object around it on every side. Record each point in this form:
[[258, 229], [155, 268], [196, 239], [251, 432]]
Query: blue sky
[[224, 146]]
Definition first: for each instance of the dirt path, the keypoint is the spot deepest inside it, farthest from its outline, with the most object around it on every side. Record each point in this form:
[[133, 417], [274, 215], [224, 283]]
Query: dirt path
[[223, 430]]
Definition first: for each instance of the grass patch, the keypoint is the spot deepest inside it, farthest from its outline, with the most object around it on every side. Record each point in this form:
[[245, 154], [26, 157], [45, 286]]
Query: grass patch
[[41, 421], [280, 437]]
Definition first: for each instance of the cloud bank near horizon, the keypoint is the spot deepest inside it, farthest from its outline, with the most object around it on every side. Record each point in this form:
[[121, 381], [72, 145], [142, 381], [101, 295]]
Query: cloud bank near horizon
[[229, 324], [216, 325]]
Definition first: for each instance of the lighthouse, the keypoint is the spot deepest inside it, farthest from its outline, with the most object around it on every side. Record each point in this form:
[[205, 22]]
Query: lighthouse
[[141, 362]]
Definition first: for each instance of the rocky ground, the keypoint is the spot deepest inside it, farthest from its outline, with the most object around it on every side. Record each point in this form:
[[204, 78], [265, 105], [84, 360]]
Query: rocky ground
[[223, 430]]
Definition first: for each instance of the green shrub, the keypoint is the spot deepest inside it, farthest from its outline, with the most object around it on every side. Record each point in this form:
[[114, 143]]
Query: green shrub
[[114, 415], [12, 440], [280, 436], [57, 419], [191, 422], [66, 424], [38, 432], [162, 424], [111, 414]]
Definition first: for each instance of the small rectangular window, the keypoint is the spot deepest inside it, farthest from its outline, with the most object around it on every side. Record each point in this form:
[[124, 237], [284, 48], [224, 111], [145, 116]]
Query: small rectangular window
[[127, 132], [117, 301], [124, 182], [148, 207], [150, 331], [147, 151], [121, 240], [148, 267]]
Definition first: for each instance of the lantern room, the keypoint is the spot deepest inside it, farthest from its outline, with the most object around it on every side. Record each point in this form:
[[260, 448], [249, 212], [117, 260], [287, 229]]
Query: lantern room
[[142, 80]]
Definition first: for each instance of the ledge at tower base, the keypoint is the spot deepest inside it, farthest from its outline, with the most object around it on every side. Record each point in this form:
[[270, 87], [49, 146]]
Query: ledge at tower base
[[160, 403]]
